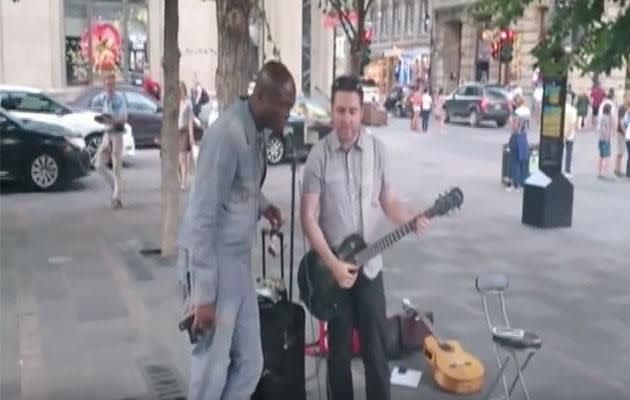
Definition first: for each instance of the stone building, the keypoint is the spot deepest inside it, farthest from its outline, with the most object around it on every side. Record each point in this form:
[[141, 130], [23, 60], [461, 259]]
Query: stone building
[[462, 54]]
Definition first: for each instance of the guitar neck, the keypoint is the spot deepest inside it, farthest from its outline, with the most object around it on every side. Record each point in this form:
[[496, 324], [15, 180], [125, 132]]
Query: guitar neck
[[385, 242]]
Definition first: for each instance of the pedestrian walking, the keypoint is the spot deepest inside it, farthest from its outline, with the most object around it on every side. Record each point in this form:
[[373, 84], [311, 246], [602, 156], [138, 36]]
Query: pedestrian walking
[[570, 127], [606, 128], [185, 130], [440, 113], [214, 265], [111, 148], [518, 144], [620, 135], [426, 104], [416, 104], [582, 104]]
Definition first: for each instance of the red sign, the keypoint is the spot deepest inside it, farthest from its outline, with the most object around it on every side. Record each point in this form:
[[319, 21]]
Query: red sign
[[332, 19]]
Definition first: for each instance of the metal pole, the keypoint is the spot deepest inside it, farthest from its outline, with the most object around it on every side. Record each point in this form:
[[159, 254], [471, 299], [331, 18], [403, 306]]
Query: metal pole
[[334, 71], [125, 34]]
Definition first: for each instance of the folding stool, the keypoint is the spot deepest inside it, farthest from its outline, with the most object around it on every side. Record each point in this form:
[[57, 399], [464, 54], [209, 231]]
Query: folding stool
[[495, 284]]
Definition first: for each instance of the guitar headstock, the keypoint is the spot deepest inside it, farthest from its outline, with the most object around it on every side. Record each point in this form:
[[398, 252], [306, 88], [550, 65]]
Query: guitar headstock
[[446, 202]]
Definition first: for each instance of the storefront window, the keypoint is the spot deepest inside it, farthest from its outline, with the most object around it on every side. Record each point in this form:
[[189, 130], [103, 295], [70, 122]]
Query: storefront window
[[97, 33]]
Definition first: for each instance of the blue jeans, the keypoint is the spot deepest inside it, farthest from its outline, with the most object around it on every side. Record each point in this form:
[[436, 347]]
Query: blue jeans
[[518, 170]]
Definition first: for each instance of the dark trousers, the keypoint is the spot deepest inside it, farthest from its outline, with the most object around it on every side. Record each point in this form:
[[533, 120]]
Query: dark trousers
[[628, 162], [425, 119], [569, 157], [364, 309]]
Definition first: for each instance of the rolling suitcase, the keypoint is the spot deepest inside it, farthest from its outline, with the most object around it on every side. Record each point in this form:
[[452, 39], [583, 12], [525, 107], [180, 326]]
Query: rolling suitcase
[[282, 334]]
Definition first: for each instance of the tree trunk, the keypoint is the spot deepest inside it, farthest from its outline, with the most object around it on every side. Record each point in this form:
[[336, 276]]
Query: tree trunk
[[170, 138], [355, 59], [232, 76]]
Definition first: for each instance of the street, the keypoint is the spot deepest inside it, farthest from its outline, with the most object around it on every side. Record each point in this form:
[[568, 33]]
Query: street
[[85, 315]]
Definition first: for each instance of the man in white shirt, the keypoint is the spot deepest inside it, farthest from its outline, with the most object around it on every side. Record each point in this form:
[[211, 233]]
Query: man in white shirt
[[570, 126]]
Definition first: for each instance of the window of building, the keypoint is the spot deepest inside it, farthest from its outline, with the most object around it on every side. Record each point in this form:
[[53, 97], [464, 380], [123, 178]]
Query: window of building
[[384, 31], [101, 36], [409, 17], [425, 16], [398, 11]]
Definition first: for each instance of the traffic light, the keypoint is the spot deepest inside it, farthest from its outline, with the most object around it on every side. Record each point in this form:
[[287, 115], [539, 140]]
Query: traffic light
[[506, 53], [366, 53]]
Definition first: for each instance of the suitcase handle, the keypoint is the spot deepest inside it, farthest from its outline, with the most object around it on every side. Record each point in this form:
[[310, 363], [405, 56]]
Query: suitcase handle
[[264, 233]]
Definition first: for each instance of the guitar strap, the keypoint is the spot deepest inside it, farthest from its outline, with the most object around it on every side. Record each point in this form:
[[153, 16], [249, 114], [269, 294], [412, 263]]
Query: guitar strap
[[367, 180]]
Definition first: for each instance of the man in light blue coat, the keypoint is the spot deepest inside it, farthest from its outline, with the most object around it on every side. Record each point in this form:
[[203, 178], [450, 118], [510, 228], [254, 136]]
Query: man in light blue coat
[[217, 234]]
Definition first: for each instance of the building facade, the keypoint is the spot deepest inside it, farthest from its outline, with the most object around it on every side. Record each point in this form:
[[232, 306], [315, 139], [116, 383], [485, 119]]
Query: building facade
[[55, 56], [401, 44], [462, 52]]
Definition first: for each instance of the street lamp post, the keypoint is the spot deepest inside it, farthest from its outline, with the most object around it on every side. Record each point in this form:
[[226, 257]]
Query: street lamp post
[[548, 193]]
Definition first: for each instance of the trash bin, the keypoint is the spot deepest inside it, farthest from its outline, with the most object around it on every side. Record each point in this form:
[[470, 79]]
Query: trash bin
[[506, 164]]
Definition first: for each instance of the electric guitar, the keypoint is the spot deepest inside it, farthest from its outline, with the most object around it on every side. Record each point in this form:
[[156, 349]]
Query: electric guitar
[[318, 288]]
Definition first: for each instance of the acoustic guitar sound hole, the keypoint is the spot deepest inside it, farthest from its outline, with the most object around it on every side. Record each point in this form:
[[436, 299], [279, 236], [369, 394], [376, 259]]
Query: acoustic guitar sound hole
[[446, 347]]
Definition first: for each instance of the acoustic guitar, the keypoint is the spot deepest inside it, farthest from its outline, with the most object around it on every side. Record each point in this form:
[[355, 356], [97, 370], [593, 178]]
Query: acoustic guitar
[[454, 370], [318, 288]]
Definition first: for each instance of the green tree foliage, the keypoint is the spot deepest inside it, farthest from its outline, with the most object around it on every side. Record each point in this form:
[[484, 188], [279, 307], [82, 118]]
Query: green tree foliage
[[595, 43]]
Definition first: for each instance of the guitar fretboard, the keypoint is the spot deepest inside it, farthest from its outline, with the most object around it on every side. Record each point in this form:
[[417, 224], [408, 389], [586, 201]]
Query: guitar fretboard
[[383, 243]]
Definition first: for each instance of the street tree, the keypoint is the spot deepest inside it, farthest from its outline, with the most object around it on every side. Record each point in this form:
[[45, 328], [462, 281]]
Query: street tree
[[351, 15], [588, 38], [234, 19], [170, 188]]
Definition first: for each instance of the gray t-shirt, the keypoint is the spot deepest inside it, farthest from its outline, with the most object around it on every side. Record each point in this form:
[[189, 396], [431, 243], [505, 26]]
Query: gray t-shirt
[[336, 175]]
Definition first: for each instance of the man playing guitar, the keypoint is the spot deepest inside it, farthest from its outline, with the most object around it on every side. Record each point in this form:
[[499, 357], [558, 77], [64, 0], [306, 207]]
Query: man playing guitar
[[338, 197]]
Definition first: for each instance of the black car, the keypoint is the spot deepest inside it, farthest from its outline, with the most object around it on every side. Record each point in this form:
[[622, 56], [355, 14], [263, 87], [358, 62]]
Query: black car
[[44, 156], [398, 101], [476, 102], [298, 136], [144, 113]]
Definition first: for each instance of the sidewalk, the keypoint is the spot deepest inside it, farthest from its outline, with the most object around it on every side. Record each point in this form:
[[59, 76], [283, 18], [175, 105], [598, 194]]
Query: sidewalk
[[86, 316]]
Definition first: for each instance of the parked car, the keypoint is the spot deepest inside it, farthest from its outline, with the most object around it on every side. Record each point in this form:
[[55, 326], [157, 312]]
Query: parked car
[[298, 132], [32, 104], [398, 101], [42, 155], [476, 102], [144, 113]]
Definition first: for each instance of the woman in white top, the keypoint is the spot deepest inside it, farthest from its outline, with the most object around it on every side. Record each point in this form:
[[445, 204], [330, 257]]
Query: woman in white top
[[186, 134], [427, 105]]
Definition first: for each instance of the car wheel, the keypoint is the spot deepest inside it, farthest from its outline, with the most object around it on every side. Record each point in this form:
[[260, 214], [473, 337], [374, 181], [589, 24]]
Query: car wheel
[[44, 172], [473, 118], [275, 150], [501, 123], [91, 146]]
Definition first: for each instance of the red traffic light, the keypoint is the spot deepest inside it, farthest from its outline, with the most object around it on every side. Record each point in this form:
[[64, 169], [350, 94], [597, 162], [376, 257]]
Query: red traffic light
[[367, 35], [507, 35]]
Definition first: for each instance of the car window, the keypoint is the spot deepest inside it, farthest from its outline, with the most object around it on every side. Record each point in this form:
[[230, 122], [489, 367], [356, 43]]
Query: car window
[[496, 94], [472, 91], [461, 90], [34, 102], [139, 103], [97, 102], [6, 125], [310, 109]]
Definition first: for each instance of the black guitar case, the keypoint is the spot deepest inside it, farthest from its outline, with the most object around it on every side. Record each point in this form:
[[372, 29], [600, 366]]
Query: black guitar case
[[282, 334]]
